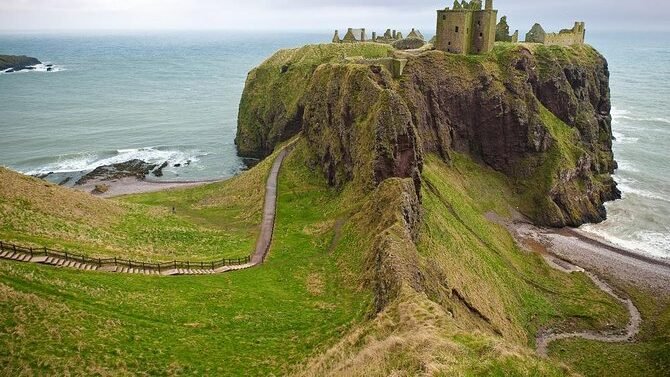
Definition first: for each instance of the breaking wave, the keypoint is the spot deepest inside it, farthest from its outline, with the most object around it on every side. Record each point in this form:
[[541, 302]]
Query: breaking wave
[[642, 241], [44, 67], [88, 161]]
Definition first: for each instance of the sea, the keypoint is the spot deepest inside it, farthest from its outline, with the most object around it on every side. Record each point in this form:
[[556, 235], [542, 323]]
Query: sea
[[111, 97]]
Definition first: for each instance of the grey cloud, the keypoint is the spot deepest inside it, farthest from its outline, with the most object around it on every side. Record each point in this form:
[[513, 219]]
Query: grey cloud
[[315, 14]]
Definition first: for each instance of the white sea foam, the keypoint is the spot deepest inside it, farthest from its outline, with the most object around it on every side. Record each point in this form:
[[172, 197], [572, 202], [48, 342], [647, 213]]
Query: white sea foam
[[44, 67], [628, 189], [623, 139], [626, 166], [617, 113], [90, 161], [643, 241]]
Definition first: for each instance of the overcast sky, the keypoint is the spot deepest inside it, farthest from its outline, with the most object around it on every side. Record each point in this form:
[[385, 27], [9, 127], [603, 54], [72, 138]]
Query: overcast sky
[[316, 15]]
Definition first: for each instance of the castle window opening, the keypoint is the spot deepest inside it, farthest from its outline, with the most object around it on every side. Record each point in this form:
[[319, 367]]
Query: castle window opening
[[444, 17], [481, 35], [457, 29]]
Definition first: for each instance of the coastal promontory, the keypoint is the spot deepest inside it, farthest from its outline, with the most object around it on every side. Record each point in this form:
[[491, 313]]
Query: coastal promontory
[[538, 114]]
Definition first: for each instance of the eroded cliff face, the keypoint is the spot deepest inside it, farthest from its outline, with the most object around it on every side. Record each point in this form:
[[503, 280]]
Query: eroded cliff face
[[538, 114]]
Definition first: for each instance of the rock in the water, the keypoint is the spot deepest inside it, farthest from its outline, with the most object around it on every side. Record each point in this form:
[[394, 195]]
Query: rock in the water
[[159, 171], [133, 168]]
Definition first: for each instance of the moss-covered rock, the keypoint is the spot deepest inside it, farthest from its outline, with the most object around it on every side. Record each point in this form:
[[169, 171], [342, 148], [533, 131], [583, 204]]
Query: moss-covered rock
[[273, 99], [538, 114]]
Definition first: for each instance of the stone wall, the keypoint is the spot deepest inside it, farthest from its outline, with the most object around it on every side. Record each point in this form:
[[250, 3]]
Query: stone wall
[[483, 31], [453, 31], [567, 37]]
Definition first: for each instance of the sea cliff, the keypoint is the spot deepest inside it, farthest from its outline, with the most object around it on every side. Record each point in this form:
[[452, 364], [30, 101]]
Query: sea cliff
[[540, 115]]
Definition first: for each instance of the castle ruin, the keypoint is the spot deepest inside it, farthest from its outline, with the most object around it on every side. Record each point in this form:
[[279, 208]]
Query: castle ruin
[[359, 35], [502, 32], [467, 28]]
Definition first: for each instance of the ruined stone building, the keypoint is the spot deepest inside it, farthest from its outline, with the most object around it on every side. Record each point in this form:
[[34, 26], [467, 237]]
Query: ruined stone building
[[502, 32], [352, 36], [415, 34], [467, 28], [565, 37], [359, 35]]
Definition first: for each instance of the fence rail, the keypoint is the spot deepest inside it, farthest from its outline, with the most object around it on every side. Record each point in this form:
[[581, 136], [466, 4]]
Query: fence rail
[[119, 262]]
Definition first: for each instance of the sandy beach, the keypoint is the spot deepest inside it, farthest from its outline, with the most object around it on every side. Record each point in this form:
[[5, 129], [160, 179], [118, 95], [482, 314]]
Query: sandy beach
[[132, 185]]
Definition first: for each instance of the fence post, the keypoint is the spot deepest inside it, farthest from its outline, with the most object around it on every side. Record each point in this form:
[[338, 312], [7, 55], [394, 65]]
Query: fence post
[[99, 262], [46, 253], [31, 252], [175, 264], [159, 267], [115, 264]]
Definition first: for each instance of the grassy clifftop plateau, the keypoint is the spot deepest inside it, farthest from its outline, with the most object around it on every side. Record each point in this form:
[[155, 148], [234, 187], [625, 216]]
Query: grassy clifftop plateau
[[538, 114]]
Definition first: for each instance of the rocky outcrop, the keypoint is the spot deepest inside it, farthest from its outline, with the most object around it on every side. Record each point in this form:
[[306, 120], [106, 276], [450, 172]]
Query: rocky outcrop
[[538, 114], [133, 168], [359, 127], [16, 63]]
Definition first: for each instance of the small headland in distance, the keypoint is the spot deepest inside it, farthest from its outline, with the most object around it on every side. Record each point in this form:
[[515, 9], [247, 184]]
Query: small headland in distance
[[16, 63]]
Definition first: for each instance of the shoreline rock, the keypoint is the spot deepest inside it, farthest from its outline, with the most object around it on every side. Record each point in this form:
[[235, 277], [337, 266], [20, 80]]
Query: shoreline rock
[[133, 168]]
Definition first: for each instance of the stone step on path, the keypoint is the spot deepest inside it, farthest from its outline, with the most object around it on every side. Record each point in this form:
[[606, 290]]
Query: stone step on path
[[261, 250]]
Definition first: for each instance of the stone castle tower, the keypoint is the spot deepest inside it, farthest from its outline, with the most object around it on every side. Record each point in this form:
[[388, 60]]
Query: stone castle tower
[[467, 28]]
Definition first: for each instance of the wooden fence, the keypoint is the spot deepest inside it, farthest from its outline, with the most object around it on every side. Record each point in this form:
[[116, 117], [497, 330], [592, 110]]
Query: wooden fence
[[118, 262]]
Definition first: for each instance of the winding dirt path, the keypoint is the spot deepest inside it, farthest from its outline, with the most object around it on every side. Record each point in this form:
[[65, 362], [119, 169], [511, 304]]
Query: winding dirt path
[[558, 250], [544, 338], [570, 251]]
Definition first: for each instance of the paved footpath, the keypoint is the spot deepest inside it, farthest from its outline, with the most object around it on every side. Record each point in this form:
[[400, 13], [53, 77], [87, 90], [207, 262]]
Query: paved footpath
[[262, 244]]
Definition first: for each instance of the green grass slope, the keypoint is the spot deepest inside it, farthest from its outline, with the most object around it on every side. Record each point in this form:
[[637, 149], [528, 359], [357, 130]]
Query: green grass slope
[[260, 321], [468, 301], [212, 221], [353, 285]]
